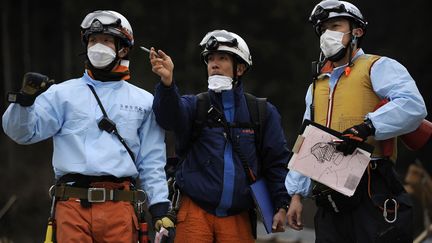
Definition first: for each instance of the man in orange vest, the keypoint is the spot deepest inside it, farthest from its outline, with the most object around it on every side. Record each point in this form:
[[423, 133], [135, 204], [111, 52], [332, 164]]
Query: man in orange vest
[[346, 89]]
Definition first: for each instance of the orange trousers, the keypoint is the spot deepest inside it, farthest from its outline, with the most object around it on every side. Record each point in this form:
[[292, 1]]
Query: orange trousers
[[102, 222], [194, 225]]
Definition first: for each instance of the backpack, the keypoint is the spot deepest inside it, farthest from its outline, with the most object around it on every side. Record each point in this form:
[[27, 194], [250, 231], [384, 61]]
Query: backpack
[[257, 108]]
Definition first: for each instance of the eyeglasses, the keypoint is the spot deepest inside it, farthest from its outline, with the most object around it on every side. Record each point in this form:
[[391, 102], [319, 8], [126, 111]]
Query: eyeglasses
[[323, 11], [214, 41], [103, 17]]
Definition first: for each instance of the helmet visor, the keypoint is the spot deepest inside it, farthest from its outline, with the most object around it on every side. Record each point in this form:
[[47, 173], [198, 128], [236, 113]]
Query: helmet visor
[[104, 17]]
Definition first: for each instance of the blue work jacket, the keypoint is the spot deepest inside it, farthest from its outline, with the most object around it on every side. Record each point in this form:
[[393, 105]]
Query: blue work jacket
[[206, 175]]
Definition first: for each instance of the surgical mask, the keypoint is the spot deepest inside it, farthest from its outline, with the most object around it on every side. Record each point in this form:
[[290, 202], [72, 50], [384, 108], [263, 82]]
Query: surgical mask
[[100, 55], [331, 42], [218, 83]]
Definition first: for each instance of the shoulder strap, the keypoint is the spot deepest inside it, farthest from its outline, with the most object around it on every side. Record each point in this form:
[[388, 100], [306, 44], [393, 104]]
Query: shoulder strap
[[202, 106], [257, 110], [108, 125]]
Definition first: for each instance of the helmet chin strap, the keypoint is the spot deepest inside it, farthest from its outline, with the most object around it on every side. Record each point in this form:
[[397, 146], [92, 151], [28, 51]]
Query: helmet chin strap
[[235, 77], [351, 45]]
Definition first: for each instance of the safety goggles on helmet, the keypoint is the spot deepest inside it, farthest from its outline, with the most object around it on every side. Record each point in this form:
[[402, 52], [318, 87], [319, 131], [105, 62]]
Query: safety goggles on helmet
[[104, 17], [107, 22], [328, 9], [322, 12], [212, 43], [224, 41]]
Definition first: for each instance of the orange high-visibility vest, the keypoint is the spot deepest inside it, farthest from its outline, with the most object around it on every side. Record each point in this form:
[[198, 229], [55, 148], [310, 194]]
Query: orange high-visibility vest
[[352, 98]]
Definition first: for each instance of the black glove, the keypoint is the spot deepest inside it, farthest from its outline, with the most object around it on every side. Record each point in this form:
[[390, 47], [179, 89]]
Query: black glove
[[354, 136], [33, 85], [171, 166]]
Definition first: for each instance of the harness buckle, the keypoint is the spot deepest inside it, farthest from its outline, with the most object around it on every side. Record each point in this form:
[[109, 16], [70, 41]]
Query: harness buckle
[[96, 195], [141, 196], [374, 165], [385, 211], [51, 191]]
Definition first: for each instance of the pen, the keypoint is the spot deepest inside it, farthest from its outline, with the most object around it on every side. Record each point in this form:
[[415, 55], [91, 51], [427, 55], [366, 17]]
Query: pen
[[147, 50], [335, 142]]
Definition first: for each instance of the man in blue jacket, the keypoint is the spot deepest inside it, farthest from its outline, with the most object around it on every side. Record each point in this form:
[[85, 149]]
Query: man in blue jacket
[[216, 198], [99, 149]]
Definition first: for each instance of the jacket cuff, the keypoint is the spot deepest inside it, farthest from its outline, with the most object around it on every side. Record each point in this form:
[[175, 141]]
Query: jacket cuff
[[282, 204], [159, 210], [163, 86]]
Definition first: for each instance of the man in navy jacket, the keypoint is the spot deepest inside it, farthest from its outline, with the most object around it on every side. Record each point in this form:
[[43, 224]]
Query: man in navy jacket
[[216, 197]]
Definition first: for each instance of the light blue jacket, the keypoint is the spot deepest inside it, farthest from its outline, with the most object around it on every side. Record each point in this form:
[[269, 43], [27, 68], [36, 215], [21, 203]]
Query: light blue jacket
[[401, 115], [69, 113]]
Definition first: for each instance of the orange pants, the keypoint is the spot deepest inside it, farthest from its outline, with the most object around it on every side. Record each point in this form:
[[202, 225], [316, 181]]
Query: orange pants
[[194, 225], [102, 222]]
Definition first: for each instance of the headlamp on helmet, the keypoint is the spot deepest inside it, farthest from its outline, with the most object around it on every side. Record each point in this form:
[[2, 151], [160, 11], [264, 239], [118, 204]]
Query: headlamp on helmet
[[213, 43]]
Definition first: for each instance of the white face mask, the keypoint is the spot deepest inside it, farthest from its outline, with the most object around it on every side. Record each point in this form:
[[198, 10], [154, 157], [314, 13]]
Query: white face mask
[[218, 83], [331, 42], [100, 55]]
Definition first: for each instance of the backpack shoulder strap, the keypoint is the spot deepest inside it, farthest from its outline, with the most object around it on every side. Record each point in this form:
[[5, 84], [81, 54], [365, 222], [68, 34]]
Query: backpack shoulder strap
[[257, 110], [202, 106]]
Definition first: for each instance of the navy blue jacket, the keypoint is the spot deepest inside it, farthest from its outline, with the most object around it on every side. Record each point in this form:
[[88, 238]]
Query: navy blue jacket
[[201, 175]]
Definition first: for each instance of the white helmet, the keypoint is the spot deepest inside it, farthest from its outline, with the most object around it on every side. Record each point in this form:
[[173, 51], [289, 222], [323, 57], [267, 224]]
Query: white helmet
[[329, 9], [222, 40], [107, 22]]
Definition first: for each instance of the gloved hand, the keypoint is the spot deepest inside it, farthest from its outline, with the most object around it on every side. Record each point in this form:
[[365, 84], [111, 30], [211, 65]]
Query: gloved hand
[[165, 222], [354, 136], [33, 85], [168, 223]]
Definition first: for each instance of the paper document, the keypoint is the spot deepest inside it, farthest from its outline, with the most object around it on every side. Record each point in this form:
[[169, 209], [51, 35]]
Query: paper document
[[316, 156]]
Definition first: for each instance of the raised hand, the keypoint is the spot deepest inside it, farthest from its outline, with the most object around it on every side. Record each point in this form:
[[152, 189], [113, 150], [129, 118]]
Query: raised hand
[[162, 65]]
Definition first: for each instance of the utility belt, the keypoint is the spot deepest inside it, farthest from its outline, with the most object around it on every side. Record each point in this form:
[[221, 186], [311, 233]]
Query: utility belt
[[334, 201], [96, 194], [379, 184], [96, 189]]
